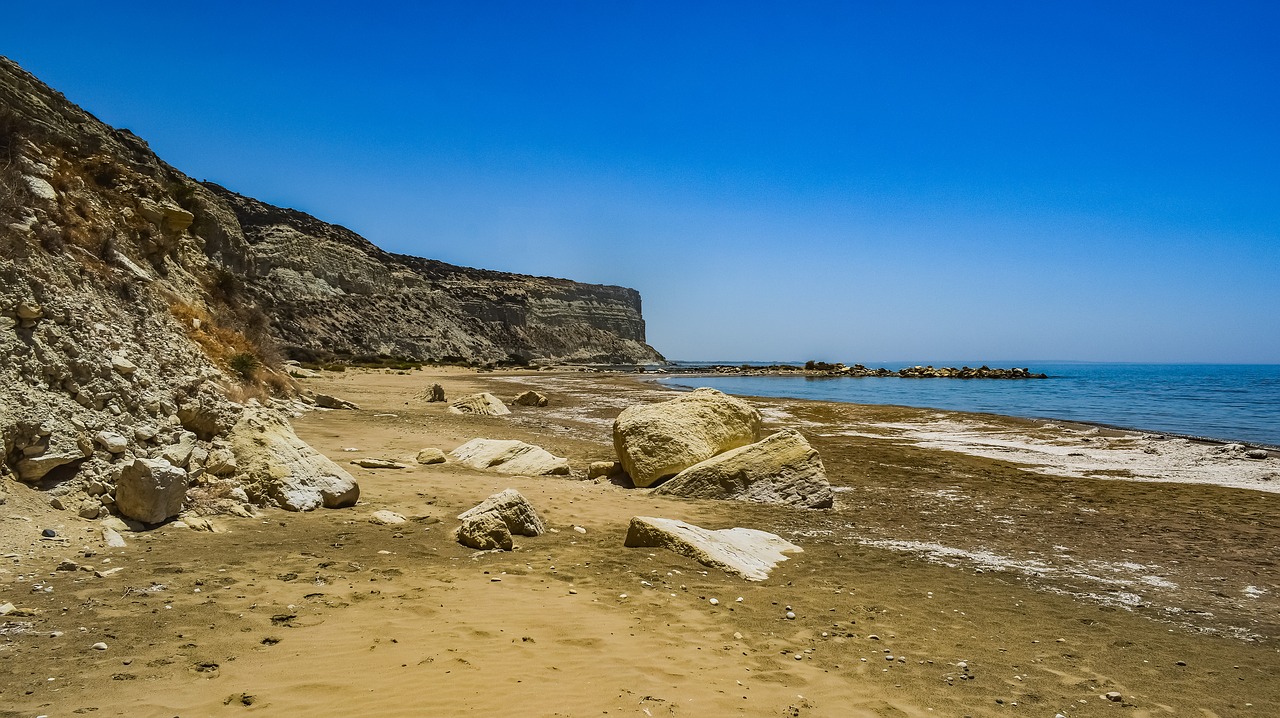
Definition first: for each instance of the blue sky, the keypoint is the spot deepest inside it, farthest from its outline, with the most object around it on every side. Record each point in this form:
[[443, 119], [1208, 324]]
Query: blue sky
[[859, 182]]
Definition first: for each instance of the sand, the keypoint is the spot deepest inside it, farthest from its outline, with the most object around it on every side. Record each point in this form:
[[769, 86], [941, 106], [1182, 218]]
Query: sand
[[972, 566]]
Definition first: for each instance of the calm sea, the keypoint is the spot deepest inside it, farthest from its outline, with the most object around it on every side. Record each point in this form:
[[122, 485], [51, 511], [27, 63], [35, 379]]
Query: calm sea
[[1222, 401]]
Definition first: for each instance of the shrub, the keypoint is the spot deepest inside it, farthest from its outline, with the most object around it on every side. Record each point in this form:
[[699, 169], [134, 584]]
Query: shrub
[[245, 364]]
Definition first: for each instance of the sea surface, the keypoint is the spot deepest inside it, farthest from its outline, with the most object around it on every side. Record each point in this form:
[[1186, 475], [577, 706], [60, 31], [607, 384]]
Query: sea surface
[[1232, 402]]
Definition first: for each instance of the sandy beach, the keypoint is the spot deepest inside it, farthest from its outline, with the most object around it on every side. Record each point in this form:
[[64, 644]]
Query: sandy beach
[[974, 565]]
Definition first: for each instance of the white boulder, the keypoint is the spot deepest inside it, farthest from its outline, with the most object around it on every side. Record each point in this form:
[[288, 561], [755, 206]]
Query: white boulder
[[150, 490], [654, 441], [781, 469], [483, 404], [510, 457], [285, 468], [748, 553]]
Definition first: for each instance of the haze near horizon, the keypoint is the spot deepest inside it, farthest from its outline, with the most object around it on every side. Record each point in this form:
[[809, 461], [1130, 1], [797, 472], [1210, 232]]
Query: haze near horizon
[[830, 181]]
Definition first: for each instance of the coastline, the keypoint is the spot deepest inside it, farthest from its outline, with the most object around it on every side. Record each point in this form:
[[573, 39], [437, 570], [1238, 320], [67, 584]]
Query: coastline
[[942, 583], [1135, 426]]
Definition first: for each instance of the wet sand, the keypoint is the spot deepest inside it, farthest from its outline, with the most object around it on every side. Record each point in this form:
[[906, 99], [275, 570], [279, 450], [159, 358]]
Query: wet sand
[[1052, 586]]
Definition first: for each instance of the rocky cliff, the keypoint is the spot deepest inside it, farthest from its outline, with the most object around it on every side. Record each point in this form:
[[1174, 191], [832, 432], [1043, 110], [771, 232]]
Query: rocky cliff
[[141, 315], [329, 290]]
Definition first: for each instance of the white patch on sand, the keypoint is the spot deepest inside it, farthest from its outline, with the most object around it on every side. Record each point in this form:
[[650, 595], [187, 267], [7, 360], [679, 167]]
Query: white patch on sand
[[1254, 591], [1084, 453]]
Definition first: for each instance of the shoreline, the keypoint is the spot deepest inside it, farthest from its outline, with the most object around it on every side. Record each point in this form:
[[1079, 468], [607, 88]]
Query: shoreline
[[1272, 449]]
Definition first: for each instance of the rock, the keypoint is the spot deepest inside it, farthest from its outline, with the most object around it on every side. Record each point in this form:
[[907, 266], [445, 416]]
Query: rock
[[483, 404], [510, 457], [67, 564], [89, 509], [150, 490], [529, 398], [221, 462], [386, 518], [655, 441], [179, 452], [513, 509], [748, 553], [1113, 696], [485, 532], [332, 402], [435, 393], [111, 441], [49, 533], [40, 187], [123, 366], [1256, 454], [604, 468], [99, 646], [781, 469], [168, 216], [208, 414], [112, 538], [280, 465], [63, 447], [378, 464], [431, 456]]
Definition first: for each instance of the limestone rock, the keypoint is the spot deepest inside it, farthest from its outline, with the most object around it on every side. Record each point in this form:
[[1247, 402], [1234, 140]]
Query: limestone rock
[[332, 402], [150, 490], [221, 462], [179, 452], [514, 510], [111, 441], [386, 518], [604, 468], [655, 441], [379, 464], [112, 538], [285, 468], [510, 457], [123, 366], [435, 393], [781, 469], [485, 532], [431, 456], [59, 447], [748, 553], [529, 398], [167, 215], [483, 404]]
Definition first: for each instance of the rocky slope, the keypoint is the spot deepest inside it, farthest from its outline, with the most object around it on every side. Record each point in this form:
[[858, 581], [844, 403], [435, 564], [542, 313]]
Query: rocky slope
[[141, 314]]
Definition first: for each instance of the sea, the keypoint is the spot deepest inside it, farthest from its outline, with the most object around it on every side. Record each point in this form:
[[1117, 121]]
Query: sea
[[1227, 402]]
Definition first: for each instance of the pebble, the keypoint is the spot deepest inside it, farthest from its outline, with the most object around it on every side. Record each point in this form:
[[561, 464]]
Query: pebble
[[738, 599], [579, 529], [573, 592], [873, 637], [799, 657], [99, 646], [714, 602], [48, 533], [1113, 696], [791, 616]]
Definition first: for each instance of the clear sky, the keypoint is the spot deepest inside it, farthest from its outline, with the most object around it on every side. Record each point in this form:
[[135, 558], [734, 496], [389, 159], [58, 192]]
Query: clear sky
[[846, 181]]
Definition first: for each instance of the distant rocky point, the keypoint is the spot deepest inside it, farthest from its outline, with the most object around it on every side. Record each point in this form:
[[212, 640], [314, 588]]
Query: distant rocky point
[[817, 368]]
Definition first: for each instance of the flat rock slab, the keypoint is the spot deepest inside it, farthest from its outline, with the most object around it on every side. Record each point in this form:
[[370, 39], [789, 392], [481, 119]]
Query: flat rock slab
[[483, 404], [748, 553], [510, 457], [379, 464]]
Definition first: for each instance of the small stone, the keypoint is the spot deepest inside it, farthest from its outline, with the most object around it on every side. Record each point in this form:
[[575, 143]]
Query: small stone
[[1256, 453], [111, 441], [799, 657], [379, 464], [791, 616], [873, 637], [579, 529], [99, 646], [48, 533], [386, 518], [123, 366], [431, 456], [67, 564], [714, 602], [1113, 696]]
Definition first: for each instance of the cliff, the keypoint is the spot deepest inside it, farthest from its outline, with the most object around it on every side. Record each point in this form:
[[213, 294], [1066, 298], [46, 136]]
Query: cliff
[[143, 316]]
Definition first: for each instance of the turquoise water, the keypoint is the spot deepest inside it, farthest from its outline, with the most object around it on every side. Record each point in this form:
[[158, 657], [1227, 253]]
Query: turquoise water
[[1239, 402]]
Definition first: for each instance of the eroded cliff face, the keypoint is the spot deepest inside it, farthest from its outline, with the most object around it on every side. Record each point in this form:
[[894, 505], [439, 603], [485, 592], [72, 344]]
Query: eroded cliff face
[[327, 289], [142, 313]]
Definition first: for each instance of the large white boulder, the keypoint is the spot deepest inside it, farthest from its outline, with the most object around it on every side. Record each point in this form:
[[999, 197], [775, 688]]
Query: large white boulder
[[655, 441], [781, 469], [285, 468], [748, 553], [510, 457], [150, 490], [484, 404]]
